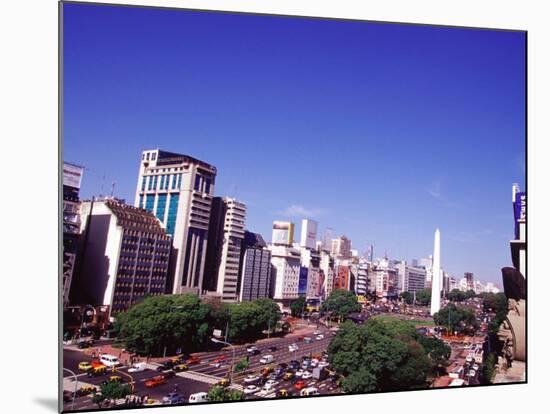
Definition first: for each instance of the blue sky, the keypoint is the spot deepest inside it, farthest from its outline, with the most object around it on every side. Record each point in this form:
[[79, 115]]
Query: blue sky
[[381, 132]]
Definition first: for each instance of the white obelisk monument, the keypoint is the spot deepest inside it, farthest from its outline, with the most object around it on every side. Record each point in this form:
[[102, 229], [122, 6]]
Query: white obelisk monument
[[436, 276]]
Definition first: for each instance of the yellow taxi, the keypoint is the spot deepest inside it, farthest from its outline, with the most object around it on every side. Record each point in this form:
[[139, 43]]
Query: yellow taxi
[[84, 366], [224, 382], [282, 393], [180, 367]]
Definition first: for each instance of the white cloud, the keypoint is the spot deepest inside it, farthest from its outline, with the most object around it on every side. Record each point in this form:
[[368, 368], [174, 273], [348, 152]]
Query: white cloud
[[297, 210]]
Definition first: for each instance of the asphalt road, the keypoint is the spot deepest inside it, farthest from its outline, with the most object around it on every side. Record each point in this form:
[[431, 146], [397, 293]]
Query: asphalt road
[[186, 386]]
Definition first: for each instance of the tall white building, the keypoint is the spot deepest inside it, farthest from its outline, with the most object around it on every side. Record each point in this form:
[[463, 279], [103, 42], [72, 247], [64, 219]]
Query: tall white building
[[311, 259], [285, 272], [223, 254], [178, 190], [326, 269], [411, 278], [308, 236], [341, 247]]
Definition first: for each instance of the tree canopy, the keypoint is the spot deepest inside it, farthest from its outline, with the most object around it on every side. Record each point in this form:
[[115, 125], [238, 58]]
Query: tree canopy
[[341, 303], [297, 306], [380, 356], [407, 297], [456, 295], [424, 296], [221, 394], [457, 319]]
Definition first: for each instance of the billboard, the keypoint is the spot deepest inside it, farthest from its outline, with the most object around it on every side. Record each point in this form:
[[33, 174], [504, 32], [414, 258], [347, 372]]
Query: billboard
[[283, 233], [72, 175], [302, 281], [309, 233], [520, 211]]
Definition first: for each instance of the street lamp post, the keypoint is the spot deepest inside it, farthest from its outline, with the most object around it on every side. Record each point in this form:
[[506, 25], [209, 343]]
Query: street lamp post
[[75, 385], [219, 341]]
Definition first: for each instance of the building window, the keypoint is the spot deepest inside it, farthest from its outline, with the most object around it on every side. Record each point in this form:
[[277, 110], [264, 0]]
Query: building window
[[161, 207], [172, 213], [197, 182], [207, 185], [147, 157], [140, 201], [149, 202], [155, 179], [153, 156]]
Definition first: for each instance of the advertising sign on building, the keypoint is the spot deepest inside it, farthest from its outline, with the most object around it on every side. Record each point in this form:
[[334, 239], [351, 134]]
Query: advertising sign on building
[[72, 175], [302, 281], [520, 211], [283, 233]]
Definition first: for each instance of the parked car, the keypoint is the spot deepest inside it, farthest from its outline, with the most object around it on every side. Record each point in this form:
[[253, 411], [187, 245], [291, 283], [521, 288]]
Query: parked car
[[198, 397], [173, 398], [155, 381]]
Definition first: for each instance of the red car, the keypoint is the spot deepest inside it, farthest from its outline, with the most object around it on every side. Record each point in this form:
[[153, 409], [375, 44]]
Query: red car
[[193, 360], [299, 384], [155, 381], [301, 338], [219, 359]]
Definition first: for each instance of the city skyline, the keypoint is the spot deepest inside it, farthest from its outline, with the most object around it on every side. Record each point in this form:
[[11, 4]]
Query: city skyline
[[394, 182]]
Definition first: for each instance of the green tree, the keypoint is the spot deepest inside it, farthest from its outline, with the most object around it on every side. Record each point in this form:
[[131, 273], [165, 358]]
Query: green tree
[[457, 319], [242, 365], [98, 399], [379, 356], [221, 394], [437, 350], [407, 297], [171, 321], [297, 306], [115, 390], [341, 303], [424, 296], [269, 313], [470, 294], [456, 295]]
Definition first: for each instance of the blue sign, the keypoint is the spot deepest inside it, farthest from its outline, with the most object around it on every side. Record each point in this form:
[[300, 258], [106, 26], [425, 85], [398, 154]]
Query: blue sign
[[302, 281], [520, 211]]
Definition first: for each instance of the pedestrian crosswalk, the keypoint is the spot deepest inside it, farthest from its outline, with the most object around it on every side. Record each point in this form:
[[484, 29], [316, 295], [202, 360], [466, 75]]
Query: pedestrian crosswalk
[[199, 376]]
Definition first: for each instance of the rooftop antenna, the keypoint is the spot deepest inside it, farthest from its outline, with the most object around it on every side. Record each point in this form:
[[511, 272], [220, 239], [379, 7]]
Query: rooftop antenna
[[102, 184], [113, 188]]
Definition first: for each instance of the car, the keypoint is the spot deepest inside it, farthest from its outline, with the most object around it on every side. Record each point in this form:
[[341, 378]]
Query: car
[[266, 359], [294, 364], [251, 389], [270, 383], [306, 364], [97, 371], [288, 376], [323, 364], [220, 359], [85, 344], [283, 365], [198, 397], [86, 390], [180, 367], [306, 392], [299, 373], [113, 378], [251, 379], [252, 348], [300, 384], [313, 363], [316, 332], [307, 375], [267, 370], [224, 382], [165, 365], [140, 366], [193, 360], [292, 348], [283, 393], [308, 340], [85, 366], [173, 398], [155, 381], [272, 348], [319, 337], [109, 360]]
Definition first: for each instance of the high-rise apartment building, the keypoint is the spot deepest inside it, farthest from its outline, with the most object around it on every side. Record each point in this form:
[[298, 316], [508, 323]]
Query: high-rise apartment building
[[326, 276], [285, 272], [178, 190], [124, 256], [223, 256], [308, 236], [341, 247], [310, 260], [255, 268], [72, 177], [411, 278], [469, 280]]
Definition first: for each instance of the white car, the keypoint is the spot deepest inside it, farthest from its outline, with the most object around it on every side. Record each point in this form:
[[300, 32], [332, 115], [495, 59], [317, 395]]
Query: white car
[[109, 360], [270, 383], [252, 348], [140, 366], [307, 375], [250, 379], [299, 373], [251, 389], [292, 347], [319, 337], [323, 364]]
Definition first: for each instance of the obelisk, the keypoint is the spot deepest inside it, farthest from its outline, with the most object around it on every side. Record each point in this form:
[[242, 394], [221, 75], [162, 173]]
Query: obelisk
[[436, 276]]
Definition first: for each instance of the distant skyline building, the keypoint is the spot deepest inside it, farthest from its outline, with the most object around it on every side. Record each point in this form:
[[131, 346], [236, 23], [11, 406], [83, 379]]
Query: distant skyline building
[[341, 247], [385, 279], [436, 275], [124, 254], [308, 235], [72, 179], [255, 280], [285, 272], [411, 278], [469, 280], [223, 254], [178, 190]]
